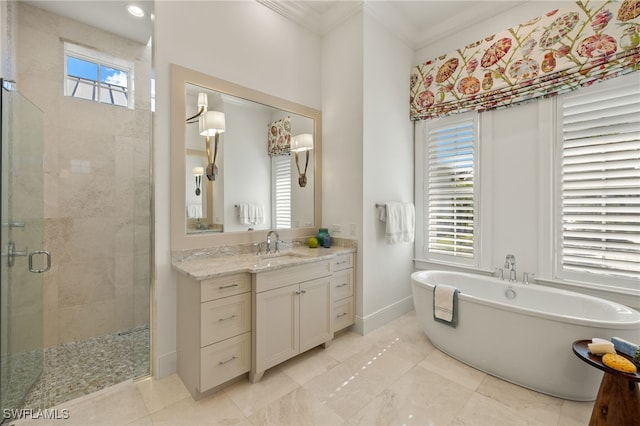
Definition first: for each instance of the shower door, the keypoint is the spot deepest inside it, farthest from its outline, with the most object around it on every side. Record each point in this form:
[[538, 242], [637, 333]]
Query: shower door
[[23, 258]]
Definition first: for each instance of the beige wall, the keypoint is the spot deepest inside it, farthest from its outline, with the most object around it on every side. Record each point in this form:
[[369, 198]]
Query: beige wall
[[97, 224]]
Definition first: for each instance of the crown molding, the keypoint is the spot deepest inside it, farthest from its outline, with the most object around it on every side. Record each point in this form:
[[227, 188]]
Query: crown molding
[[319, 20], [418, 37], [447, 18]]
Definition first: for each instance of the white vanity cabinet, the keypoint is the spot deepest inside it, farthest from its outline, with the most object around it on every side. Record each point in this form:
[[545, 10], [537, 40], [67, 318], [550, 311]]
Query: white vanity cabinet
[[342, 292], [292, 313], [213, 330]]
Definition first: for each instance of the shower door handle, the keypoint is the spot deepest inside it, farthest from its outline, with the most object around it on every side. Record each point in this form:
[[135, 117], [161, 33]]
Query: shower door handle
[[12, 253], [48, 257]]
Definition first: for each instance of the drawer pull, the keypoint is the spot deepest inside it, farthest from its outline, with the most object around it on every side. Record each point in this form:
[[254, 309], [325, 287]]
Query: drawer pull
[[222, 287], [341, 285], [341, 315], [301, 292], [342, 262], [229, 360], [227, 318]]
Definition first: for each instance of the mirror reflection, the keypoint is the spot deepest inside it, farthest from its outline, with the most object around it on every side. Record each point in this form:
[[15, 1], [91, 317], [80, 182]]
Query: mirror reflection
[[248, 166]]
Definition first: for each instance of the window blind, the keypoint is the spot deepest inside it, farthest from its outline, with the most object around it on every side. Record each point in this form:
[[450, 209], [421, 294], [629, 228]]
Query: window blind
[[450, 189], [601, 182], [282, 191]]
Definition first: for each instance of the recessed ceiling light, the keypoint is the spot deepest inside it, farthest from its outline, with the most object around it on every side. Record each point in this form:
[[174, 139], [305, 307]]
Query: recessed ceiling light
[[135, 11]]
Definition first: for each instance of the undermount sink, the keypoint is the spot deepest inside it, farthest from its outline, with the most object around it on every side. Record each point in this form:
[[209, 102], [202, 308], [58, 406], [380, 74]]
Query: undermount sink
[[278, 258]]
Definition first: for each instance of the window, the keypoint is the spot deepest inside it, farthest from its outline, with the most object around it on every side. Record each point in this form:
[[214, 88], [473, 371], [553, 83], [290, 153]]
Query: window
[[450, 186], [97, 77], [599, 184], [281, 166]]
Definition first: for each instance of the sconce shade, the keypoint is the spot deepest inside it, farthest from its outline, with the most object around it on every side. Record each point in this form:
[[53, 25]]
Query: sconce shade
[[211, 122], [198, 171], [203, 100], [302, 142]]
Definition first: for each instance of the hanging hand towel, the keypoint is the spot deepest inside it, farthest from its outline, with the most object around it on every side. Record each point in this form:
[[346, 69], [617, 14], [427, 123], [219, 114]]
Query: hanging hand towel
[[243, 214], [259, 215], [401, 222], [250, 214], [445, 304], [194, 211]]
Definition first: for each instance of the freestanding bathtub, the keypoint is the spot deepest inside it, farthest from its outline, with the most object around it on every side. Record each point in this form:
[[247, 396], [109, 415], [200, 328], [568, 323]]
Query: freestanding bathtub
[[523, 333]]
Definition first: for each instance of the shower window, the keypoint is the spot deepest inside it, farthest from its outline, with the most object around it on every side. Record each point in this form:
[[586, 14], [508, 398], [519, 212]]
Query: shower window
[[598, 185], [97, 77]]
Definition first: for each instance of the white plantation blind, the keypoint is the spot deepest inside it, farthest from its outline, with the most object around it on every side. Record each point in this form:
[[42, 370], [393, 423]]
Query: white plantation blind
[[600, 184], [282, 191], [450, 201]]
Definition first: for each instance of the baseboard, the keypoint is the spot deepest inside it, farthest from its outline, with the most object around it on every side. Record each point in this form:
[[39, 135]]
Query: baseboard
[[167, 365], [368, 323]]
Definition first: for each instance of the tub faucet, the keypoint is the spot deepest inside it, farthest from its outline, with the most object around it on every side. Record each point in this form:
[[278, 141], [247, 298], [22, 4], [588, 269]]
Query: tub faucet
[[510, 264], [268, 250]]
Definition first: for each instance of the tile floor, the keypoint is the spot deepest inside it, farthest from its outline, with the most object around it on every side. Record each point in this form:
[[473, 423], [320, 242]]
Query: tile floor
[[83, 367], [392, 376]]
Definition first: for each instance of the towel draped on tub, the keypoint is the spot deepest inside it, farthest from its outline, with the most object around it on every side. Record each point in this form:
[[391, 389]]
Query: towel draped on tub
[[445, 304]]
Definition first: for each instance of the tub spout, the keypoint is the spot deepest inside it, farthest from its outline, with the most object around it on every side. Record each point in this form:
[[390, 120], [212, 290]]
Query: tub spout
[[510, 264]]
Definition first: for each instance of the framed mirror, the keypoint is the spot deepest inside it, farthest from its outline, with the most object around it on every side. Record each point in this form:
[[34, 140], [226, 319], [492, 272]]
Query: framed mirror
[[247, 178]]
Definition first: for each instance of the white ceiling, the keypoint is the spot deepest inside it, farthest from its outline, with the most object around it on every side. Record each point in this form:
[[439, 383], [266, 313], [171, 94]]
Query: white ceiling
[[417, 23]]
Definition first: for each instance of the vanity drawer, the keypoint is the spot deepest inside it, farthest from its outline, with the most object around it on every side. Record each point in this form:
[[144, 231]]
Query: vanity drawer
[[341, 262], [342, 284], [228, 285], [342, 314], [285, 276], [224, 318], [224, 360]]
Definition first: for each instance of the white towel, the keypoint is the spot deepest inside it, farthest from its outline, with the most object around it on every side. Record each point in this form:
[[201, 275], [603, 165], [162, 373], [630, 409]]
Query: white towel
[[258, 218], [194, 211], [243, 214], [250, 214], [401, 222], [443, 303]]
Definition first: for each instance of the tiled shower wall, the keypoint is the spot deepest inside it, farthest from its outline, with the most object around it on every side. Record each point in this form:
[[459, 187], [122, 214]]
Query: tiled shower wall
[[97, 219]]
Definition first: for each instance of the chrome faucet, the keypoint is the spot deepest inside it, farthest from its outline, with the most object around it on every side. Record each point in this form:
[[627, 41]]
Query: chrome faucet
[[268, 250], [510, 264]]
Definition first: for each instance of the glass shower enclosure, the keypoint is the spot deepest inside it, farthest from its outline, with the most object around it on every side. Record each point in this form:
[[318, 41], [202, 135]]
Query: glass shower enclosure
[[24, 259]]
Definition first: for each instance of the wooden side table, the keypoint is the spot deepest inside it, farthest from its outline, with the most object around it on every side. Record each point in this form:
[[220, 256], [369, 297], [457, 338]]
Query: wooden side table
[[618, 400]]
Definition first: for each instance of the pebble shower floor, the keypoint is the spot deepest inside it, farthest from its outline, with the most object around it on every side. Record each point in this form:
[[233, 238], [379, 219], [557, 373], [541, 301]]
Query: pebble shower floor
[[75, 369]]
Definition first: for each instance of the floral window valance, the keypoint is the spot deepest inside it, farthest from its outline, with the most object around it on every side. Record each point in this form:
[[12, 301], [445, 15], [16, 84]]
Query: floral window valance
[[570, 47], [279, 139]]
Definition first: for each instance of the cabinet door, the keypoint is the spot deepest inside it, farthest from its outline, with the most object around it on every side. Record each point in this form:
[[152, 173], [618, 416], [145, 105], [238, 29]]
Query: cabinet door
[[315, 313], [276, 331]]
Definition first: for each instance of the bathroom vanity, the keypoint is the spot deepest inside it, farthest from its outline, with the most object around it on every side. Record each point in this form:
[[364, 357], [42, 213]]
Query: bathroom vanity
[[239, 314]]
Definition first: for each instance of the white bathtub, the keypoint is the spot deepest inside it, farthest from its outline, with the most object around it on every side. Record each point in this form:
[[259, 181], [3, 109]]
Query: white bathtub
[[525, 340]]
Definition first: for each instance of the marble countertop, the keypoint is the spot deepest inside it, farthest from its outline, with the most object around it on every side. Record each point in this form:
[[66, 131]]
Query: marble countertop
[[205, 266]]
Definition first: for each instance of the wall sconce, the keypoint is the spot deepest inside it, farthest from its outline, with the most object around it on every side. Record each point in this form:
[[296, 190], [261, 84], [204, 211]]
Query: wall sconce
[[197, 173], [203, 103], [299, 143], [211, 123]]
